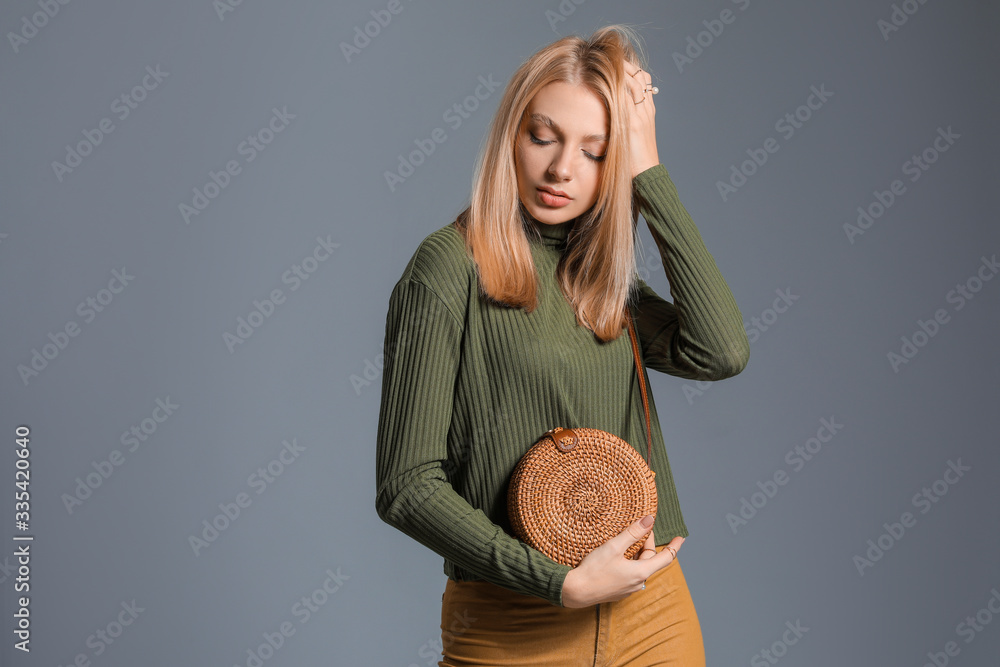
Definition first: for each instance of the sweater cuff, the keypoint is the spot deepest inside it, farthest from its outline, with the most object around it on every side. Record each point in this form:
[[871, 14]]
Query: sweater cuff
[[556, 585], [652, 173], [655, 184]]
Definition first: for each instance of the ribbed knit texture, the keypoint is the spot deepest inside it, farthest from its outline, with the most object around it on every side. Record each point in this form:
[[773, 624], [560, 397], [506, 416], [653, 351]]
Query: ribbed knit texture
[[469, 386]]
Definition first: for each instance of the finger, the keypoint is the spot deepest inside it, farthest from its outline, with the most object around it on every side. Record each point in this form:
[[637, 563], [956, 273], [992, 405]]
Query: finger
[[638, 85], [634, 88], [637, 73], [632, 533], [635, 80], [662, 558], [648, 547], [633, 70]]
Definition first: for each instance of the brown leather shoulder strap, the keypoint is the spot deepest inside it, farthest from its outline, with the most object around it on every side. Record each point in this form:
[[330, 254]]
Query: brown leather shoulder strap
[[642, 385]]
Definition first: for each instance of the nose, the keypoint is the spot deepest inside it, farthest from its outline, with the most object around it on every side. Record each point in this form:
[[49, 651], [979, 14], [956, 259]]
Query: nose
[[561, 166]]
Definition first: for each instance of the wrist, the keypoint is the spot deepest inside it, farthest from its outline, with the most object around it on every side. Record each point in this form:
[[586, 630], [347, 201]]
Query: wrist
[[569, 590]]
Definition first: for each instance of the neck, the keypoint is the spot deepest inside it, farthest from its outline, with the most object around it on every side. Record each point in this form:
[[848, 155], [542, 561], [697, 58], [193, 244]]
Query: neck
[[550, 234]]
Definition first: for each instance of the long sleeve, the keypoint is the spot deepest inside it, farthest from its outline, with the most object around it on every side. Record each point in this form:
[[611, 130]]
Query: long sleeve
[[700, 336], [413, 493]]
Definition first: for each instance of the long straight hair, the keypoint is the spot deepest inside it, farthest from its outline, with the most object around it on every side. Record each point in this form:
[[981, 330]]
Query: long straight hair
[[597, 272]]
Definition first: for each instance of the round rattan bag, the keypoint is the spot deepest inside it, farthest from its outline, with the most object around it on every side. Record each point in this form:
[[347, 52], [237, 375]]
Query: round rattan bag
[[576, 488]]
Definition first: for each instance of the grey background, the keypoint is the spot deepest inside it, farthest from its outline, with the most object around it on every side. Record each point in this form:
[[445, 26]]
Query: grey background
[[323, 176]]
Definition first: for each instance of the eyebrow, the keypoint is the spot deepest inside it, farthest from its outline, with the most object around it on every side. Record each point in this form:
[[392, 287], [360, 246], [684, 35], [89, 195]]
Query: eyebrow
[[545, 120]]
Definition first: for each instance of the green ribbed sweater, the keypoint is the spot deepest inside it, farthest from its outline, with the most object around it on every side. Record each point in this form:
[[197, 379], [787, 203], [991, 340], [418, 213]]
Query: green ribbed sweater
[[469, 386]]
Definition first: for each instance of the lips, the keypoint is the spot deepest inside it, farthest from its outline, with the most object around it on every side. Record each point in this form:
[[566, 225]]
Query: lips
[[554, 192], [548, 199]]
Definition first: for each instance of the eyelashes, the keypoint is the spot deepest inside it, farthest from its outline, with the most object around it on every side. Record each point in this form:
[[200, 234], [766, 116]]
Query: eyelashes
[[536, 140]]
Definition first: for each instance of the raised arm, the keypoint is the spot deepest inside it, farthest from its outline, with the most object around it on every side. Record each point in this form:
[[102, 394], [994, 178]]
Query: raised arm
[[699, 336], [413, 494]]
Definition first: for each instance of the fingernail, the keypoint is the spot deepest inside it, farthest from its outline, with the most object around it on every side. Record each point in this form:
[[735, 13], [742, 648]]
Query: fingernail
[[647, 521]]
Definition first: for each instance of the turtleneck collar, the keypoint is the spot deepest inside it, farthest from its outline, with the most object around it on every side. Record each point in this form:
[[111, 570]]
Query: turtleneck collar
[[553, 235]]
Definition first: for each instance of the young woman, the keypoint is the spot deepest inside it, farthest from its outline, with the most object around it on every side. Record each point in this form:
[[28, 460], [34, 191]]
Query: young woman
[[510, 321]]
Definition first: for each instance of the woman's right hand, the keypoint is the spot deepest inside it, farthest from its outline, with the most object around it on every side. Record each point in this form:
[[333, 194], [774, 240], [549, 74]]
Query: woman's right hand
[[606, 575]]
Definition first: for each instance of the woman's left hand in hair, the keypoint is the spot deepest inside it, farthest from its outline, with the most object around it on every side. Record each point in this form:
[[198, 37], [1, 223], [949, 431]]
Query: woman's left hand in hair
[[642, 129]]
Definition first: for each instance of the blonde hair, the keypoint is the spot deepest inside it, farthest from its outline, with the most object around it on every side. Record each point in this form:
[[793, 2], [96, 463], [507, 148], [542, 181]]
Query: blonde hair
[[597, 271]]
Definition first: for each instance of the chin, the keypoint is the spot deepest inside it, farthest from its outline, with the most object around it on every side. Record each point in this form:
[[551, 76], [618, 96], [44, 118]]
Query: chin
[[552, 216]]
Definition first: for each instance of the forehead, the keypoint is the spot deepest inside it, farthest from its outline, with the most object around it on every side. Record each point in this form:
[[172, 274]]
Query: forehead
[[571, 109]]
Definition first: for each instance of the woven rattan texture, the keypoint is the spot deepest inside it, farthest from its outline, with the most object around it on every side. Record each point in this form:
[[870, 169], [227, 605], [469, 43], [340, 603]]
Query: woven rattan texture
[[567, 503]]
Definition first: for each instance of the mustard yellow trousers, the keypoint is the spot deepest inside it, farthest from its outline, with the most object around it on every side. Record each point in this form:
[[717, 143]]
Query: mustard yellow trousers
[[487, 625]]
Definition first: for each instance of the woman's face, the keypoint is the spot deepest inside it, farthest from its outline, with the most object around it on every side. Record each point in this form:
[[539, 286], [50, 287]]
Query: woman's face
[[561, 143]]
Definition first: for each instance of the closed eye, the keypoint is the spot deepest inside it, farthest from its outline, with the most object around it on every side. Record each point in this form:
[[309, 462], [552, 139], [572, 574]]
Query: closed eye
[[534, 139]]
